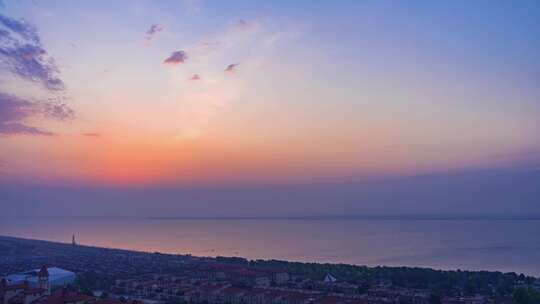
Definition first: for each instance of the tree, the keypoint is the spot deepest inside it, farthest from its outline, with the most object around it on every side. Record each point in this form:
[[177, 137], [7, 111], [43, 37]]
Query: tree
[[434, 299], [526, 296]]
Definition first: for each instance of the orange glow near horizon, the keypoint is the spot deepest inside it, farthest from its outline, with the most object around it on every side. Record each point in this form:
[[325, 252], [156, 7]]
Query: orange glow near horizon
[[146, 159]]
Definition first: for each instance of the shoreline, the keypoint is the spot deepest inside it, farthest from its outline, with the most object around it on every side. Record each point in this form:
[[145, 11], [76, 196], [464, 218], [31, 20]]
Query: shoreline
[[203, 257]]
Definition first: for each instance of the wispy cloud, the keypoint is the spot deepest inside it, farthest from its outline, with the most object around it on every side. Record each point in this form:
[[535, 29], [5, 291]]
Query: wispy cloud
[[22, 53], [242, 23], [195, 77], [55, 108], [21, 129], [176, 58], [232, 67], [153, 31], [14, 111], [91, 134], [217, 57]]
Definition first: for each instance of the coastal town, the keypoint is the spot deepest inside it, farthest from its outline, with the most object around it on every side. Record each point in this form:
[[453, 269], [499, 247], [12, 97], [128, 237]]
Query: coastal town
[[42, 272]]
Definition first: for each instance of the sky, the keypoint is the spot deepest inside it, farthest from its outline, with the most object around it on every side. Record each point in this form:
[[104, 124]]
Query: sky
[[275, 108]]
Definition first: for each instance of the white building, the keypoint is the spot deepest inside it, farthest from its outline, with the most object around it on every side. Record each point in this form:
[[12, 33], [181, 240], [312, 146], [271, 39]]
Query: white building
[[329, 279], [57, 277]]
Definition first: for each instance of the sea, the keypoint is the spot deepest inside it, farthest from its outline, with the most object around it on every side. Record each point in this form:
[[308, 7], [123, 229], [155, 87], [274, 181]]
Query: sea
[[505, 245]]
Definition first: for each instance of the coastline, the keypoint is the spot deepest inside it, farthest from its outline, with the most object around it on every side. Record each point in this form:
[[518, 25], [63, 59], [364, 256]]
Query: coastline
[[94, 247]]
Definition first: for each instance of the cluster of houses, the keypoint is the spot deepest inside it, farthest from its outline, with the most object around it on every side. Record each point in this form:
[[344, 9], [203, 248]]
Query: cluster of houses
[[197, 290], [216, 283], [36, 289], [23, 292], [235, 284]]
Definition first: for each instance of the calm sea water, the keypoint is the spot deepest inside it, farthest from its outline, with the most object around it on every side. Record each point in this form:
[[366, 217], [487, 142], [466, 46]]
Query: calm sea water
[[504, 245]]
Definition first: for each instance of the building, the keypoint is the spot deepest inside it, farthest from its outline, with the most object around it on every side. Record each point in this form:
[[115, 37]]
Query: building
[[329, 279], [45, 278], [280, 277], [65, 296], [465, 300], [20, 293]]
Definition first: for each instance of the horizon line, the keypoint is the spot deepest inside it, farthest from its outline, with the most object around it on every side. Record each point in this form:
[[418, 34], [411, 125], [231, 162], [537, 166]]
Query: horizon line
[[523, 217]]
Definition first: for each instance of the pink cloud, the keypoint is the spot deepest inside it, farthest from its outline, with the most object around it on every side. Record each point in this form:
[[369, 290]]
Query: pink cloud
[[91, 134], [22, 54], [14, 112], [176, 58], [232, 67], [195, 77], [153, 31]]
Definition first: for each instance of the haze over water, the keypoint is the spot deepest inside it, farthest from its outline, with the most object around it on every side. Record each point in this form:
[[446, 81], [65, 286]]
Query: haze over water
[[501, 245]]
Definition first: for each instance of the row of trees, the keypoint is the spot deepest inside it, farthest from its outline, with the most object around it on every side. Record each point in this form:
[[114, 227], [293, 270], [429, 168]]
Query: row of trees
[[439, 281], [90, 281], [526, 296]]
